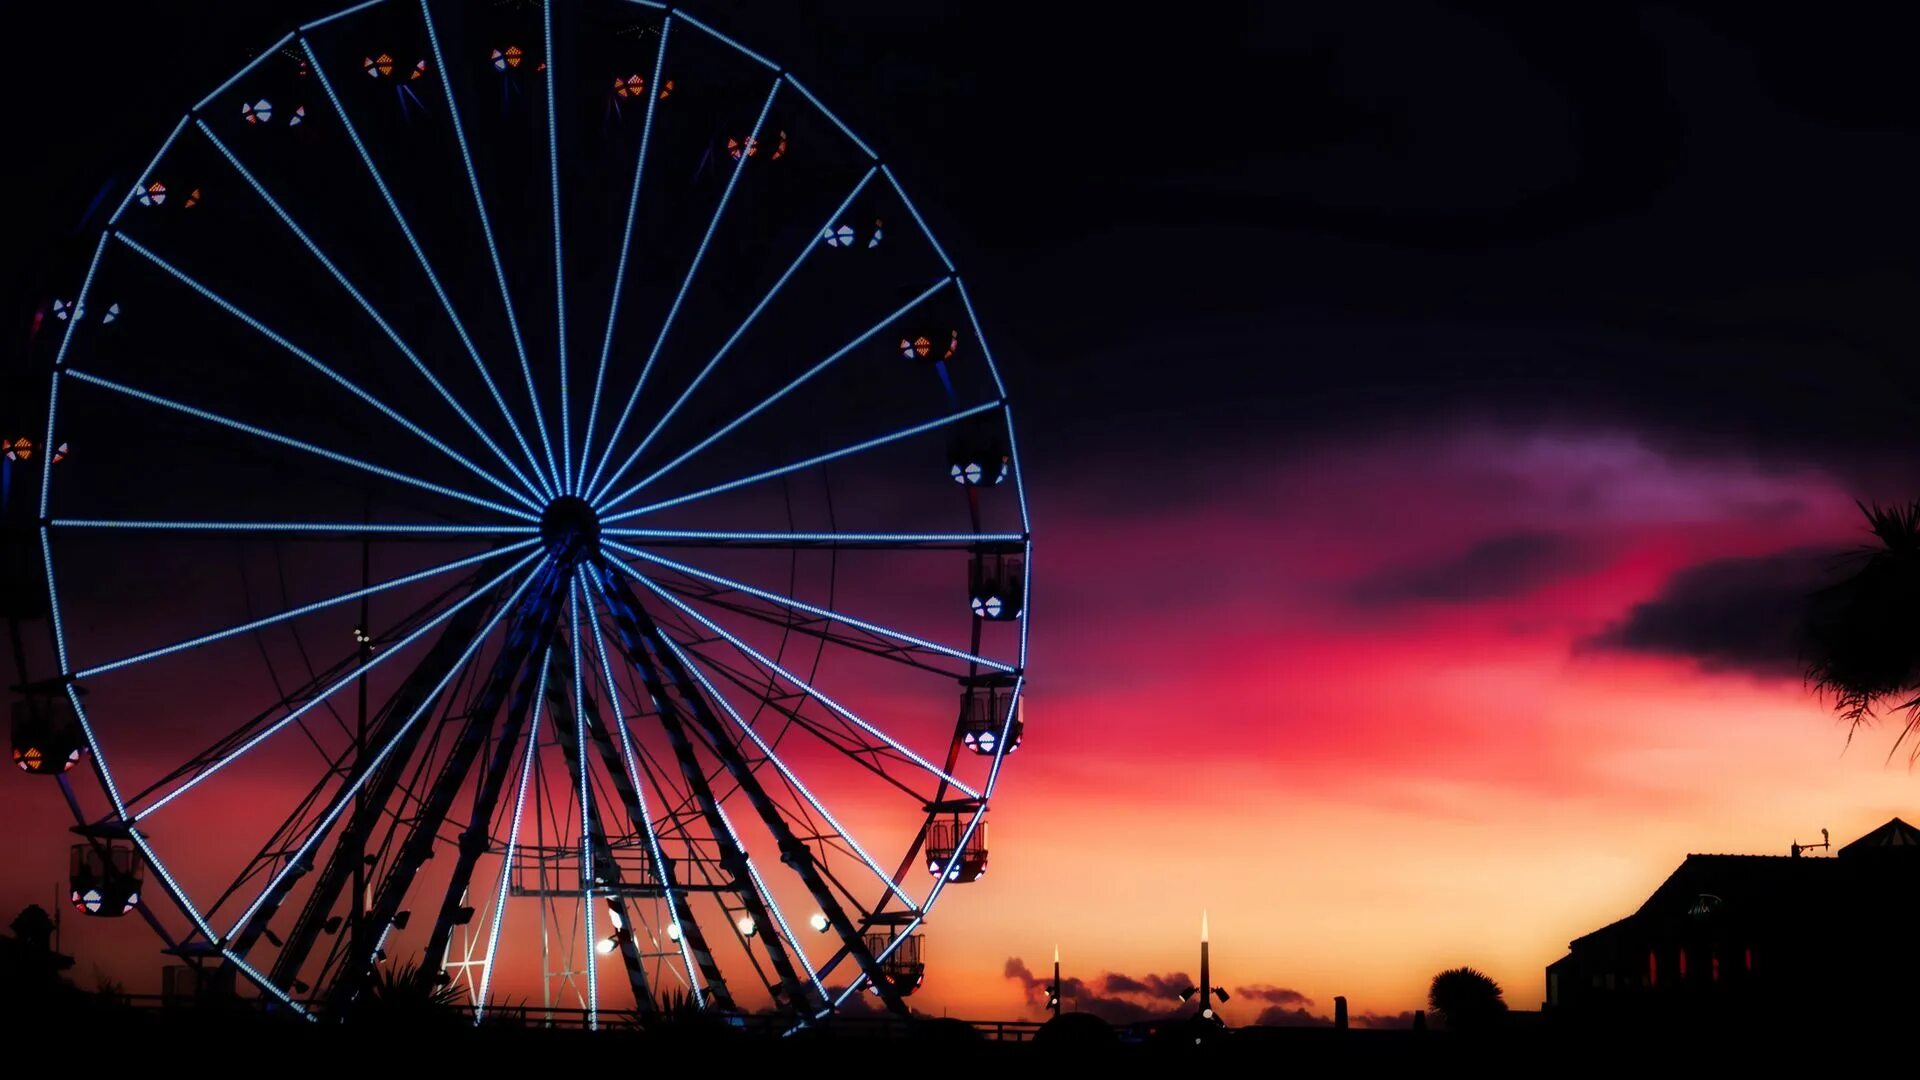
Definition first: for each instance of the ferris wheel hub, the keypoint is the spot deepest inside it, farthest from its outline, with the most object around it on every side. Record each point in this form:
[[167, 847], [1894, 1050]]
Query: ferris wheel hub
[[570, 529]]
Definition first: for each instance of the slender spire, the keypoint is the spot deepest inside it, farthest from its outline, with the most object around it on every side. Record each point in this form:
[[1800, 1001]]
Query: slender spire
[[1203, 924]]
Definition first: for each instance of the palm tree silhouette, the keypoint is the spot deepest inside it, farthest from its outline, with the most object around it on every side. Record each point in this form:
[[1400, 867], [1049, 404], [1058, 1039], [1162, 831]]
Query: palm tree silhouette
[[1863, 632], [1466, 999]]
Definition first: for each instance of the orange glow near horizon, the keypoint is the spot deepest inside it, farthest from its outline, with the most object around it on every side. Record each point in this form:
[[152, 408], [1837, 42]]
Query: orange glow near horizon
[[1365, 793]]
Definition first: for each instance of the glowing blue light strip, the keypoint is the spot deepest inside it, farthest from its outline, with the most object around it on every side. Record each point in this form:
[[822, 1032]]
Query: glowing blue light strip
[[786, 931], [626, 249], [801, 605], [342, 527], [586, 808], [262, 433], [771, 399], [813, 241], [922, 222], [513, 840], [820, 459], [980, 336], [640, 796], [1026, 524], [345, 797], [270, 730], [828, 113], [493, 249], [700, 254], [341, 14], [365, 305], [87, 731], [749, 53], [883, 539], [559, 261], [140, 182], [767, 752], [654, 4], [59, 362], [294, 613], [245, 71], [261, 981], [766, 894], [805, 687], [420, 255], [338, 379]]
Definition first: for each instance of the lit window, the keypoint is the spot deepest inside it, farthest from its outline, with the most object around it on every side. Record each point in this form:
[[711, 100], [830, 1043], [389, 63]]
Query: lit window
[[299, 114], [153, 194], [379, 67], [193, 200], [259, 112]]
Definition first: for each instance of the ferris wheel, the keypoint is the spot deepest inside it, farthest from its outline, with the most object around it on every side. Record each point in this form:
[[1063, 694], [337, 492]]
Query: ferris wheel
[[524, 494]]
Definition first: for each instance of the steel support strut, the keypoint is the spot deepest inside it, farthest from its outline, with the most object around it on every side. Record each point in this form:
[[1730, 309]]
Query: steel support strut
[[606, 872], [475, 840], [636, 634], [678, 910], [340, 866], [648, 649], [531, 625]]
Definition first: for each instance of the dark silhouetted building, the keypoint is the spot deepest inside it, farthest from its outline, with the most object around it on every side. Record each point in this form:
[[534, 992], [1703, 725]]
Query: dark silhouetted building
[[1759, 936]]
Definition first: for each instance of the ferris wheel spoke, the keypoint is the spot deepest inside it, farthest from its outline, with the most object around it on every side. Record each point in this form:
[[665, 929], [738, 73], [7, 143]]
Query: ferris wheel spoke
[[699, 255], [493, 249], [808, 463], [310, 360], [345, 796], [724, 538], [818, 612], [304, 530], [620, 268], [528, 762], [634, 793], [426, 267], [559, 282], [812, 242], [588, 812], [773, 398], [277, 726], [767, 752], [294, 613], [797, 682], [296, 444], [366, 306], [626, 248]]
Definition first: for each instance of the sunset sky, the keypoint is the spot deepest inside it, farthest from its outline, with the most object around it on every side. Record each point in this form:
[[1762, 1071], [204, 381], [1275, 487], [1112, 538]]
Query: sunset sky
[[1431, 421]]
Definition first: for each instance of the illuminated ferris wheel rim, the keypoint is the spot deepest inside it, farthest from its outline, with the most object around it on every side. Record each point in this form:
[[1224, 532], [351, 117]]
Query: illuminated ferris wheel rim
[[564, 513]]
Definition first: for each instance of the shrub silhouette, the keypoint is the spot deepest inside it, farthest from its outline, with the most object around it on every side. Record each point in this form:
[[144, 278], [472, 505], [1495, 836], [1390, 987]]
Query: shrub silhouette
[[1466, 999]]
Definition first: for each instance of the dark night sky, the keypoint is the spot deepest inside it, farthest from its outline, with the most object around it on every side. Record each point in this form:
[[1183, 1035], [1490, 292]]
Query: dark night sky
[[1509, 368], [1247, 225]]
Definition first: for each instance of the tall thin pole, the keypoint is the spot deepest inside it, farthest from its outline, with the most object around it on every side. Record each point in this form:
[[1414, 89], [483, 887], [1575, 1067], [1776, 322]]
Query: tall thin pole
[[1053, 992], [363, 636]]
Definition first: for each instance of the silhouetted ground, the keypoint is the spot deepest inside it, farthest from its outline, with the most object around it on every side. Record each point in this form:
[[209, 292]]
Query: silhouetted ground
[[97, 1033]]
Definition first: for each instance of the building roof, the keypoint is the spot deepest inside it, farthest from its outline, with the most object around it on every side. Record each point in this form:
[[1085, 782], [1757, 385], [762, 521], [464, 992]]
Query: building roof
[[1894, 834], [1778, 890]]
